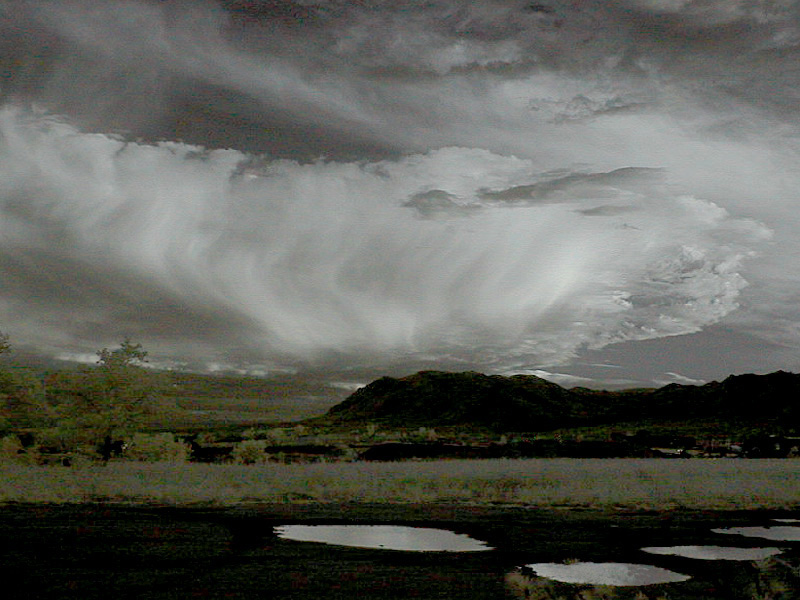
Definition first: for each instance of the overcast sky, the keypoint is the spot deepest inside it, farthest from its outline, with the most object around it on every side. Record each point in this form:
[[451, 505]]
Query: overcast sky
[[601, 192]]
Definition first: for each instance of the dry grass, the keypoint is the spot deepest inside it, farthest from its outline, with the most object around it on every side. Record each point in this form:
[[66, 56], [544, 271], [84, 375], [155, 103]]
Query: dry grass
[[603, 483]]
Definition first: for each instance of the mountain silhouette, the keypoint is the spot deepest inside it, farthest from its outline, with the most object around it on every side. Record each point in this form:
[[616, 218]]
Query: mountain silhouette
[[530, 403]]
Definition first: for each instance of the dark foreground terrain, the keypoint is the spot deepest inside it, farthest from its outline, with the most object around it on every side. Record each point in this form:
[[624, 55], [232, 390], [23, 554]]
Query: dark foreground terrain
[[105, 551]]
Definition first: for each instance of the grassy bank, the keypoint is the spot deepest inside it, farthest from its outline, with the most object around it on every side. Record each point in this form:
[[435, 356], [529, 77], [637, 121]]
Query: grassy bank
[[604, 483]]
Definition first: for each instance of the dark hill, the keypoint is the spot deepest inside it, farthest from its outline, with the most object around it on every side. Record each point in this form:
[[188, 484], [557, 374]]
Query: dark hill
[[774, 397], [440, 398], [529, 403]]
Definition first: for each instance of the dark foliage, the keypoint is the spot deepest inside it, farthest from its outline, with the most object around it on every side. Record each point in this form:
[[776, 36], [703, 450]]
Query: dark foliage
[[209, 454], [309, 449], [392, 451], [110, 448]]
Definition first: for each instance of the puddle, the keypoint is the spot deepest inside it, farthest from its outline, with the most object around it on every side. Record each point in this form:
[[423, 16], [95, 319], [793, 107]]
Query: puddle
[[387, 537], [714, 552], [787, 520], [615, 574], [783, 533]]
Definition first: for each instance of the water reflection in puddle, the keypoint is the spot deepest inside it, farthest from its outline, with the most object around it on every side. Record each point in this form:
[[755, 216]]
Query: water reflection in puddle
[[782, 533], [387, 537], [615, 574], [714, 552]]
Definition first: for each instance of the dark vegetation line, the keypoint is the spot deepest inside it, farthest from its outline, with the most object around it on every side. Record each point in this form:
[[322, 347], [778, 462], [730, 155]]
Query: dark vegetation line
[[105, 412]]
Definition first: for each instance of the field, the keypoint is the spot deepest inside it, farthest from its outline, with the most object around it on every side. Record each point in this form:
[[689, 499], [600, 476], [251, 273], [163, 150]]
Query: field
[[643, 484]]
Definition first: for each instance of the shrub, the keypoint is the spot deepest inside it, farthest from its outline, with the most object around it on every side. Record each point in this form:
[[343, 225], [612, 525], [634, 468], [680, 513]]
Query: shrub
[[65, 438], [250, 452], [346, 453], [11, 450], [256, 433], [156, 447]]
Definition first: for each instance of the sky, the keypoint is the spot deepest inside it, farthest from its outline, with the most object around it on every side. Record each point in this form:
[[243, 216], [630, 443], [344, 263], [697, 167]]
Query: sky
[[600, 192]]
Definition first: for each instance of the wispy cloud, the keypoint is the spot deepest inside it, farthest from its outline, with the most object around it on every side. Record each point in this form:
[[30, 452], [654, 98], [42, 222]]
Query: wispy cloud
[[490, 185], [298, 261], [678, 378]]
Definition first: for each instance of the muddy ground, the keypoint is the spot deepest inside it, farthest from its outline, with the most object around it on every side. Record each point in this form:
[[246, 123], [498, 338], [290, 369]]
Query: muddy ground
[[102, 551]]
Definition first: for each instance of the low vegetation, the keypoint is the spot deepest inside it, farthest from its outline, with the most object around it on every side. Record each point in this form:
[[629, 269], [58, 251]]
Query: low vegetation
[[611, 484]]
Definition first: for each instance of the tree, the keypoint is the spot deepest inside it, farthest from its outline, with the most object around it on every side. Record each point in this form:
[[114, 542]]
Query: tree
[[22, 403], [128, 354], [110, 399]]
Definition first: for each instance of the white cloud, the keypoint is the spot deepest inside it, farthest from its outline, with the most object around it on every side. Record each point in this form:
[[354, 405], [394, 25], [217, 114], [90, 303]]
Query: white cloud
[[325, 259], [347, 385], [681, 379], [563, 379], [86, 358]]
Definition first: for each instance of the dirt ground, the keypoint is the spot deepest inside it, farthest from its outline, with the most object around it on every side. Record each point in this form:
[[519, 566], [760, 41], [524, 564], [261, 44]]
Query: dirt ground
[[101, 551]]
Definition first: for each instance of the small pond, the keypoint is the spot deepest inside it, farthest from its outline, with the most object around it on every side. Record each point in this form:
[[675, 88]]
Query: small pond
[[386, 537], [614, 574], [783, 533], [714, 552]]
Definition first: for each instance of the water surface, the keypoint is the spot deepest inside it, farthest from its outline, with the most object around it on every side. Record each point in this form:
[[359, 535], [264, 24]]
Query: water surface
[[388, 537], [714, 552], [616, 574], [782, 533]]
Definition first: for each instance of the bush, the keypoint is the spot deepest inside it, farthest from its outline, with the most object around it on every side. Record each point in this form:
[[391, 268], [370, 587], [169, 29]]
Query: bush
[[11, 450], [256, 433], [65, 439], [250, 452], [156, 447]]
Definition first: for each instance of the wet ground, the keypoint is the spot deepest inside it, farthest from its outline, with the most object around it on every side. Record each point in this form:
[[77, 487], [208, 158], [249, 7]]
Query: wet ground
[[106, 551]]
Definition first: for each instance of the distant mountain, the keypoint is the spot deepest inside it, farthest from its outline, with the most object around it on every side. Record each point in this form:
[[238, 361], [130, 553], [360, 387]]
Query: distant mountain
[[530, 403], [436, 397]]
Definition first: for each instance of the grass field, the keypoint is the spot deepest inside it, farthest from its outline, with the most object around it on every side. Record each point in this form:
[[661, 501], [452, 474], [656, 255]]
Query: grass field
[[598, 483]]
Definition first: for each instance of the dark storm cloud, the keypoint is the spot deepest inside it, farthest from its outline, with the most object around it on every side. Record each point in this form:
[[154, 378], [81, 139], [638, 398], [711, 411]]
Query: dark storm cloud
[[173, 69], [251, 175], [75, 298], [439, 203], [577, 186], [606, 211]]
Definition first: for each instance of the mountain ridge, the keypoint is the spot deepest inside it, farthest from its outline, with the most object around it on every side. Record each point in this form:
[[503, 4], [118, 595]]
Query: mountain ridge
[[530, 403]]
